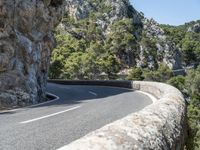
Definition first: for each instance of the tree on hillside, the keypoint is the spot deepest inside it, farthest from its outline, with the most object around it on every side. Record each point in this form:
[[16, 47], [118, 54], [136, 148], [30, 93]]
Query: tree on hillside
[[178, 82], [162, 74], [193, 87], [109, 64], [135, 74], [122, 42], [56, 69]]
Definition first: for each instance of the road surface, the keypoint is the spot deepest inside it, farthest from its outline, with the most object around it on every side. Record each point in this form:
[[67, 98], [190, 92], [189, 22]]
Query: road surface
[[80, 110]]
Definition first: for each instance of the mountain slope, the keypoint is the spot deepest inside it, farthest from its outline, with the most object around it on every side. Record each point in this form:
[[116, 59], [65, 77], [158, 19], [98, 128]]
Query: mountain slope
[[112, 36], [187, 38]]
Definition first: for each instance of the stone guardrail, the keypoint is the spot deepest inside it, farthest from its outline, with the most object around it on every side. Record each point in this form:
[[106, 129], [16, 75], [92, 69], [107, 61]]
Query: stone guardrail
[[160, 126]]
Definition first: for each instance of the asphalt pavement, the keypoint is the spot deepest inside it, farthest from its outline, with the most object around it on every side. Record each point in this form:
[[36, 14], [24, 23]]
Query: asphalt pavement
[[80, 110]]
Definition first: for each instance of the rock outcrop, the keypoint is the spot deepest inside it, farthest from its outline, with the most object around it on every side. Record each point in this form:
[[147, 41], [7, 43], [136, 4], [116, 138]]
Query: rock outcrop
[[111, 10], [26, 41], [107, 13], [158, 49], [195, 28]]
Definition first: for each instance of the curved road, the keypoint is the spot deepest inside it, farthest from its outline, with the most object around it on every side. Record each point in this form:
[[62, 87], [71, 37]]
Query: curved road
[[80, 110]]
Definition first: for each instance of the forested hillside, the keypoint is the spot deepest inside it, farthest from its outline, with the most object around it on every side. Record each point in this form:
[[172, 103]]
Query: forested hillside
[[187, 38], [109, 37]]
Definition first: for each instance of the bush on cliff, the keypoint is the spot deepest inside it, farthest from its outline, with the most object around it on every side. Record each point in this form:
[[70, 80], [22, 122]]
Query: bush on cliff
[[135, 74], [190, 86], [193, 87]]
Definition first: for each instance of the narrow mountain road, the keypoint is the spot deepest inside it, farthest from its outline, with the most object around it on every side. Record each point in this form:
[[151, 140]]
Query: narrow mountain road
[[80, 110]]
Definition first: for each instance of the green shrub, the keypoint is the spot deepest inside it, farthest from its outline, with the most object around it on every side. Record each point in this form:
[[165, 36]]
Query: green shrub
[[135, 74], [178, 82], [162, 74]]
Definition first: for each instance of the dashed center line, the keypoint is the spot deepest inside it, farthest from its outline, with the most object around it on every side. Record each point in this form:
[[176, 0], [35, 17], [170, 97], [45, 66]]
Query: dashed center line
[[93, 93], [51, 115]]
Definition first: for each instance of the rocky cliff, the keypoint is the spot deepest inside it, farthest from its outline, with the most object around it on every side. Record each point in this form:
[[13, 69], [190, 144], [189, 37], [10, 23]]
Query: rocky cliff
[[26, 41], [107, 16], [195, 28], [155, 48], [187, 39], [148, 46]]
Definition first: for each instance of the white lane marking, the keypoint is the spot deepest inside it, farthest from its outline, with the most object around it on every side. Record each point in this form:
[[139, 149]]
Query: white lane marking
[[51, 115], [9, 111], [95, 94], [153, 98], [64, 147]]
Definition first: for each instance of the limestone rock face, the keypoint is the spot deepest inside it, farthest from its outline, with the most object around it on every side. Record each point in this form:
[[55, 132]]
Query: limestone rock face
[[80, 9], [107, 13], [165, 51], [195, 28], [26, 41], [117, 10]]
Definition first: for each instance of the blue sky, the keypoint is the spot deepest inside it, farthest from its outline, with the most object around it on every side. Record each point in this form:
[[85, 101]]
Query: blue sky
[[173, 12]]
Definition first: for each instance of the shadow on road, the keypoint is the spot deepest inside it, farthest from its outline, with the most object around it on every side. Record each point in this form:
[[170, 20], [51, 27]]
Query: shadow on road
[[75, 94], [7, 112]]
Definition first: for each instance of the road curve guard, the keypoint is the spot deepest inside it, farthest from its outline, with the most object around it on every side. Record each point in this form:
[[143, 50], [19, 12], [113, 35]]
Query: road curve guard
[[160, 126]]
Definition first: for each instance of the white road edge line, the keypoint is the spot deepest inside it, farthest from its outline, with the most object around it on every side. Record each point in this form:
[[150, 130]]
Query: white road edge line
[[63, 148], [56, 98], [34, 105], [153, 98], [93, 93], [51, 115]]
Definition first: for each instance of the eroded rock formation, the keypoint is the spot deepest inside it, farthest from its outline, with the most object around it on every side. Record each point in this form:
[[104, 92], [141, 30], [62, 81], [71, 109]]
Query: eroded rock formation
[[163, 51], [26, 41], [156, 50], [195, 28]]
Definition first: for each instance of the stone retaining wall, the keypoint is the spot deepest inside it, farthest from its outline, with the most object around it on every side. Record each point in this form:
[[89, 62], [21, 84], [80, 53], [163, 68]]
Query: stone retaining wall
[[160, 126]]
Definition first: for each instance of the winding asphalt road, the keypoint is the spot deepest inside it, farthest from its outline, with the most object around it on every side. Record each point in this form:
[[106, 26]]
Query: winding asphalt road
[[80, 110]]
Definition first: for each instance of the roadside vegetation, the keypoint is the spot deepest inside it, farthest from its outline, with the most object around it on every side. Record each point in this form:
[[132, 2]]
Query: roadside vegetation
[[87, 56], [189, 85], [188, 40]]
